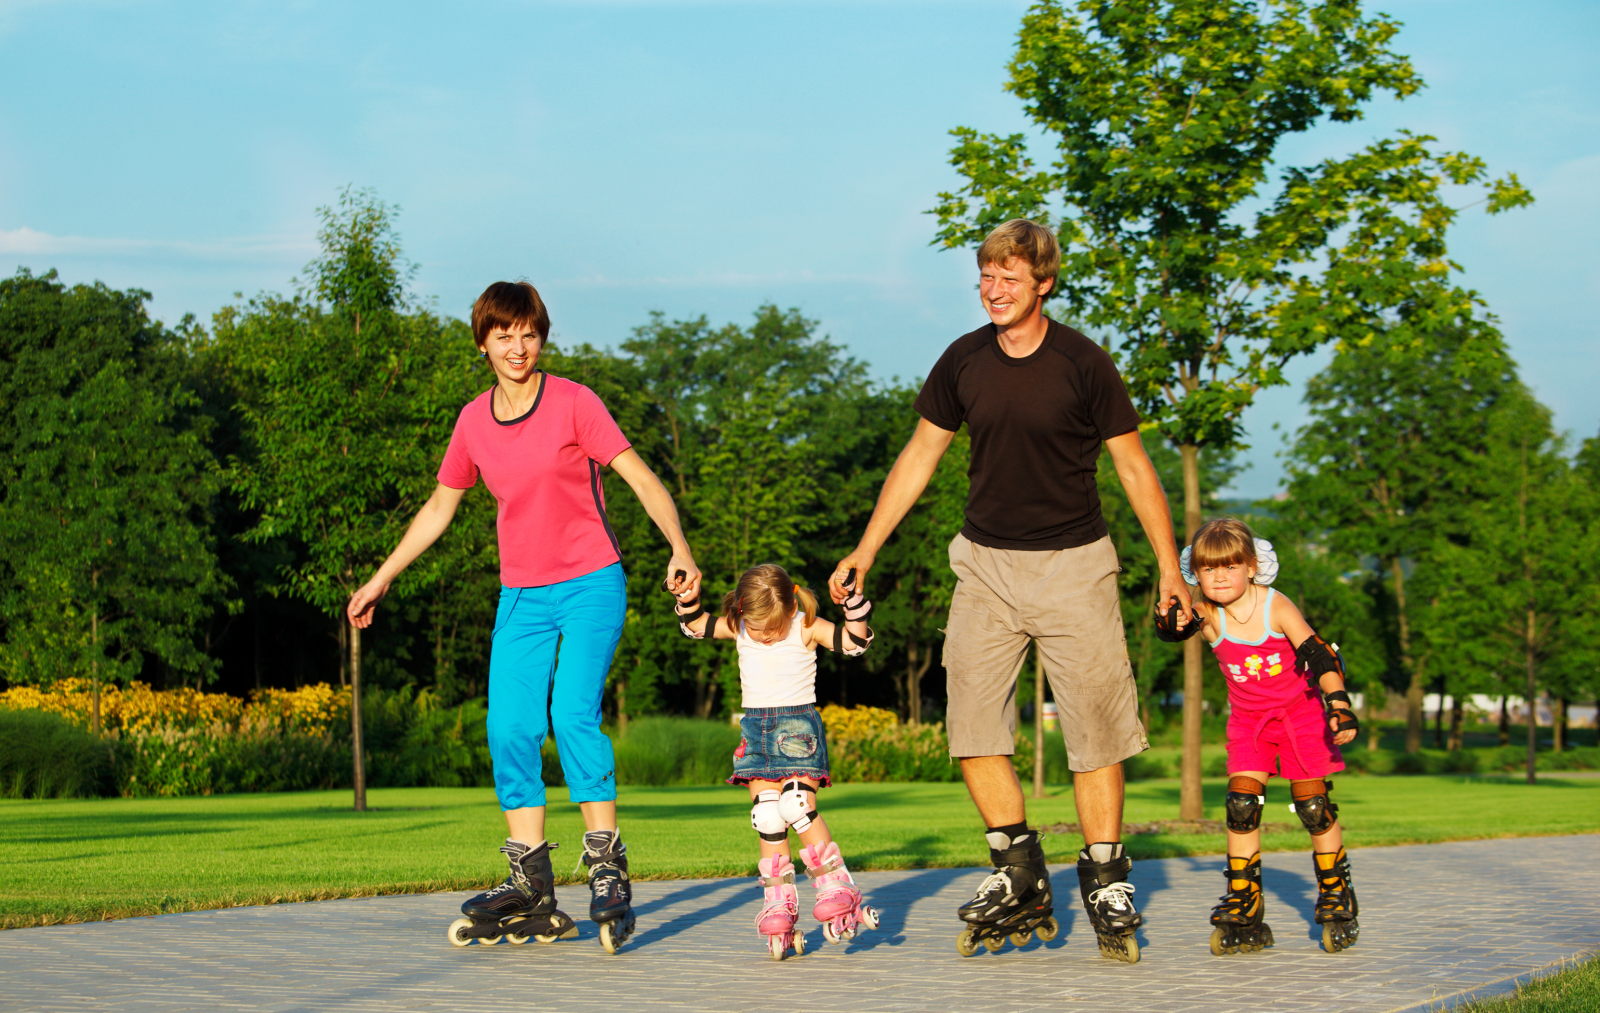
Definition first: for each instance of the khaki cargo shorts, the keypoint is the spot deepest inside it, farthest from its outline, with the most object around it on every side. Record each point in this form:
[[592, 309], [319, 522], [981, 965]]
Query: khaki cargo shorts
[[1064, 600]]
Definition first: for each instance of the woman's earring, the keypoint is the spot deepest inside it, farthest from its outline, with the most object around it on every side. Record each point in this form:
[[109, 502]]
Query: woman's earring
[[483, 355]]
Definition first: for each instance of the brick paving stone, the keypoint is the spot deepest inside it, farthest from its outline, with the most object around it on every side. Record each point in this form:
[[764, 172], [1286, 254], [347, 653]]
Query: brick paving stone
[[1436, 921]]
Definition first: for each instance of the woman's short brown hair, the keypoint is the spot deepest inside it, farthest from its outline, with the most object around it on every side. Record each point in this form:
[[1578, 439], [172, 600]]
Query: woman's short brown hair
[[509, 304], [1028, 240]]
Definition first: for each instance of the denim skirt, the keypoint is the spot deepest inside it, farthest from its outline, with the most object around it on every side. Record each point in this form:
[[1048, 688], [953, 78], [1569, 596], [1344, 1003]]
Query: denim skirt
[[776, 743]]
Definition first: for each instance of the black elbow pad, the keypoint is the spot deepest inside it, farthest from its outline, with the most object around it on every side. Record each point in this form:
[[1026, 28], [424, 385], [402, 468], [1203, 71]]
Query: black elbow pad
[[1319, 657]]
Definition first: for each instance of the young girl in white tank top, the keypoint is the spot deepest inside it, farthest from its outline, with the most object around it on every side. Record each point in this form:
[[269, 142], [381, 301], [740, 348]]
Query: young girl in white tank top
[[783, 747]]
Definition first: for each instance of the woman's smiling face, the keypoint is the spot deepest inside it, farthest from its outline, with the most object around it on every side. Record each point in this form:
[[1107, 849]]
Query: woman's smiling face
[[513, 351]]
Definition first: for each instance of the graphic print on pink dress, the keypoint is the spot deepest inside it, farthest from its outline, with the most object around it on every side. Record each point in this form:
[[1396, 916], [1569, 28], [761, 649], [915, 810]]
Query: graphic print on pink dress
[[1257, 674]]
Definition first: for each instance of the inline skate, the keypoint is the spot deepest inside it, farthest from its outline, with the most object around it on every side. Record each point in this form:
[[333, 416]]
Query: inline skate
[[1107, 896], [1240, 915], [838, 905], [1014, 902], [521, 908], [780, 909], [611, 891], [1336, 901]]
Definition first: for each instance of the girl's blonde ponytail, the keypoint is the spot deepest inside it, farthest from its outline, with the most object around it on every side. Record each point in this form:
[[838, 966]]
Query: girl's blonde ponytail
[[808, 604]]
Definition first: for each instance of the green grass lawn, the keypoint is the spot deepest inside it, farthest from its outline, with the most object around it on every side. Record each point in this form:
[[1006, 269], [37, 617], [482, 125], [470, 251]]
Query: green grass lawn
[[84, 860], [1575, 989]]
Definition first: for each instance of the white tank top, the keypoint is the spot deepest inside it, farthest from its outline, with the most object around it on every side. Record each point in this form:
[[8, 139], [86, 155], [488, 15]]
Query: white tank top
[[783, 674]]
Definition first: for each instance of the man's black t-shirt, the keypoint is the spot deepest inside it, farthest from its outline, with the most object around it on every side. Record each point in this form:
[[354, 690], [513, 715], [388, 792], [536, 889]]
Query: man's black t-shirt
[[1037, 424]]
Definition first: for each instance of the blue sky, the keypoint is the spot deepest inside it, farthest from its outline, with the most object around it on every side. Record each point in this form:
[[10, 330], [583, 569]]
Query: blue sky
[[689, 158]]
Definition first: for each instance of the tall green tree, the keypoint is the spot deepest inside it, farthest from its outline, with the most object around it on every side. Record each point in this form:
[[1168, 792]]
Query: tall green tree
[[1385, 467], [1166, 115], [354, 394], [1507, 575], [106, 484]]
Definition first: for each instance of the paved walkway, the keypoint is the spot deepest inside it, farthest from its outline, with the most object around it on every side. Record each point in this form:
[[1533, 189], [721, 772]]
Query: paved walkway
[[1436, 920]]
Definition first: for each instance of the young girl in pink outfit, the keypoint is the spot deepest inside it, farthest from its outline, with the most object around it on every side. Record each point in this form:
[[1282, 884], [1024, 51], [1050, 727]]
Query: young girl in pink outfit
[[1289, 714], [783, 747]]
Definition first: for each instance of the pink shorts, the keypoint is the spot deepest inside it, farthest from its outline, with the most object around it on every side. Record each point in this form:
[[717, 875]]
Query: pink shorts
[[1293, 740]]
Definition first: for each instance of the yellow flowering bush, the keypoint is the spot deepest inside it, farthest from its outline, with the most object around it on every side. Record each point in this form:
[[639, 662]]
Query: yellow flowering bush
[[136, 708], [856, 722]]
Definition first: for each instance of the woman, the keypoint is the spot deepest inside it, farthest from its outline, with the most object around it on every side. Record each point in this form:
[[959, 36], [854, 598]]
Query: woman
[[539, 443]]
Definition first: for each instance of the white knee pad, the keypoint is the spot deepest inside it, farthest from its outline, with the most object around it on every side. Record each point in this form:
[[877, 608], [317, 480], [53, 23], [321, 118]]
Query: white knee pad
[[766, 817], [798, 804]]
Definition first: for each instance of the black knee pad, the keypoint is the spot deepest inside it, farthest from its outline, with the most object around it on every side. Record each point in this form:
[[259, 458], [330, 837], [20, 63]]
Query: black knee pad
[[1317, 813], [1244, 812]]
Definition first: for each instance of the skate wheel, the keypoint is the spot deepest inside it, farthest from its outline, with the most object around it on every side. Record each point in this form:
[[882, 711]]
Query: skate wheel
[[1217, 947], [456, 930], [993, 943], [869, 917], [1021, 939], [966, 943], [799, 945], [610, 939], [775, 947], [517, 938], [1131, 949], [1047, 929]]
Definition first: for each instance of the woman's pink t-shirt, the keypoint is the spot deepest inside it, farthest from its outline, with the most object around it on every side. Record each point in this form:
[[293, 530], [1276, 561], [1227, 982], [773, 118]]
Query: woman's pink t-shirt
[[544, 471]]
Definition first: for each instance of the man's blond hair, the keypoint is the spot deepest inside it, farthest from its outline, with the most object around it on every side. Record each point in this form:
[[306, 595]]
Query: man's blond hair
[[1021, 238]]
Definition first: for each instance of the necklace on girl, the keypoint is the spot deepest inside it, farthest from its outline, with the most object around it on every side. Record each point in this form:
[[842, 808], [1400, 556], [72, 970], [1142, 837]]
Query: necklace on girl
[[1249, 617]]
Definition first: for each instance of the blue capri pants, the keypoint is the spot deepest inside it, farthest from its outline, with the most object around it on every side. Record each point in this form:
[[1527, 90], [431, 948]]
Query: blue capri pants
[[529, 690]]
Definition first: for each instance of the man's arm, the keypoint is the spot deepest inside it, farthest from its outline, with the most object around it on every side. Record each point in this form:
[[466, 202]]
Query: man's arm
[[909, 476], [1149, 502]]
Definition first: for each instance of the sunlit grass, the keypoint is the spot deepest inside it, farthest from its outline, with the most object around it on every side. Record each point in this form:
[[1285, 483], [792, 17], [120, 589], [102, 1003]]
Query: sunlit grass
[[83, 860]]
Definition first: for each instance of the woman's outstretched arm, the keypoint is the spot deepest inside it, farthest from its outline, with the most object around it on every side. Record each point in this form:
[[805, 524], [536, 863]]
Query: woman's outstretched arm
[[658, 504], [425, 529]]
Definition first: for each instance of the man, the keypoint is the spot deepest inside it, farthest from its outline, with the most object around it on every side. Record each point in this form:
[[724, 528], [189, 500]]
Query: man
[[1035, 564]]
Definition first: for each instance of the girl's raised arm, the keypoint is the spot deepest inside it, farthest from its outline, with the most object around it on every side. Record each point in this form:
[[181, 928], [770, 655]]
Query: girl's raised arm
[[425, 529]]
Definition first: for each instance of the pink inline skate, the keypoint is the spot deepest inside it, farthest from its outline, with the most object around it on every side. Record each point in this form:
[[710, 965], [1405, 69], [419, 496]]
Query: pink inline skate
[[782, 908], [838, 906]]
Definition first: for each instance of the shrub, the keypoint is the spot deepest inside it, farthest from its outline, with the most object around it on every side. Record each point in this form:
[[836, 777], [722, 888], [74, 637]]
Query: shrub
[[661, 751], [45, 755]]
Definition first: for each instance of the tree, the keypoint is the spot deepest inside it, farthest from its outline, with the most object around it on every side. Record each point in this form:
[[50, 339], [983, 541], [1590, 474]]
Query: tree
[[1385, 467], [351, 409], [1507, 576], [1167, 114], [105, 548]]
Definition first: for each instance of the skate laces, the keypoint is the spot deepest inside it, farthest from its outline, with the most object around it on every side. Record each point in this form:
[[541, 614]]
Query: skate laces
[[1114, 895], [998, 882]]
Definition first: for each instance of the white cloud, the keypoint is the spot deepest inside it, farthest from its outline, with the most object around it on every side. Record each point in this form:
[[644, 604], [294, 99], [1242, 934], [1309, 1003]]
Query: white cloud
[[28, 242]]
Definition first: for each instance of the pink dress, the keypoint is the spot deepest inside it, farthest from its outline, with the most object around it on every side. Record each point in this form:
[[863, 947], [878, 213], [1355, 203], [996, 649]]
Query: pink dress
[[1276, 722]]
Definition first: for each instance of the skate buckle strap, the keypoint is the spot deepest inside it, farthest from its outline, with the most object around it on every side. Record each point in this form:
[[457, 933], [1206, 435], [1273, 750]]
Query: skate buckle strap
[[783, 880], [831, 865]]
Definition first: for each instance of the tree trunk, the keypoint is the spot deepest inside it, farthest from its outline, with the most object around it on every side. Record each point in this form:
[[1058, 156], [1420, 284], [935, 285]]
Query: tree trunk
[[360, 765], [1409, 665], [1438, 719], [1533, 698], [1190, 803], [622, 707], [1505, 722], [918, 658], [1038, 727], [94, 672], [1456, 718], [344, 649], [1560, 722]]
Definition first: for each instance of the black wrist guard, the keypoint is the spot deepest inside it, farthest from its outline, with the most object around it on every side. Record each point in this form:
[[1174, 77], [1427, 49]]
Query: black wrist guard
[[1319, 657], [686, 618], [1167, 625], [1347, 718]]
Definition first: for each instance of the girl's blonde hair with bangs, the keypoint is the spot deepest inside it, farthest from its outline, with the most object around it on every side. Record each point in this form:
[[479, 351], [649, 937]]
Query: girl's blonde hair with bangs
[[766, 594]]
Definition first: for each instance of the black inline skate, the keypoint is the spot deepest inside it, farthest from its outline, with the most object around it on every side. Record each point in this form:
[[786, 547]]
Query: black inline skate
[[1336, 901], [610, 888], [1240, 916], [1103, 880], [1014, 902], [521, 908]]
